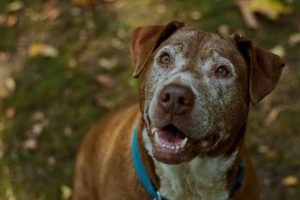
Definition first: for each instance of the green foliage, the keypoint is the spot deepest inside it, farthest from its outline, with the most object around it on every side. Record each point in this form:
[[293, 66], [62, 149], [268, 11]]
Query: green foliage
[[66, 97]]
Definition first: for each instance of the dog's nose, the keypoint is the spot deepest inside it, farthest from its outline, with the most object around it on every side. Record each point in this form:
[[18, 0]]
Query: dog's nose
[[176, 99]]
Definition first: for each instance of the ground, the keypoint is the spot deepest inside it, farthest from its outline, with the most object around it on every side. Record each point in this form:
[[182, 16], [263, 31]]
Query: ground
[[62, 66]]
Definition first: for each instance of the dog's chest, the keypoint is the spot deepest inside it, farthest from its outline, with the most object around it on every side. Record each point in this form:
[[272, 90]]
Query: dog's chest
[[200, 179]]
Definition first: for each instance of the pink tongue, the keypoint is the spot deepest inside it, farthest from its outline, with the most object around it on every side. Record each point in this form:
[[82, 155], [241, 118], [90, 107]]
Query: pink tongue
[[168, 137]]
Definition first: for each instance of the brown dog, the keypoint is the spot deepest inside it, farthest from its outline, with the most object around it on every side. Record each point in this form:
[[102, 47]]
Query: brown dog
[[195, 91]]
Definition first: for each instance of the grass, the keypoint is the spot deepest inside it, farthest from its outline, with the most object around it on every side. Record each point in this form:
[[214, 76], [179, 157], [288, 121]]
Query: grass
[[57, 99]]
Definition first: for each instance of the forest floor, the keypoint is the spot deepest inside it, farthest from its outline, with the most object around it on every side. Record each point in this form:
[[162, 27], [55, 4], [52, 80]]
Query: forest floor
[[63, 66]]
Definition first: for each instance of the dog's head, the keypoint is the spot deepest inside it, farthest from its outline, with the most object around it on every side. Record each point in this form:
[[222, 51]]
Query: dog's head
[[196, 87]]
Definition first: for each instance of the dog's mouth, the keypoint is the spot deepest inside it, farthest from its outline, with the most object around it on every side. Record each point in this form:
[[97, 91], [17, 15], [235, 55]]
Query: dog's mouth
[[169, 137], [172, 146]]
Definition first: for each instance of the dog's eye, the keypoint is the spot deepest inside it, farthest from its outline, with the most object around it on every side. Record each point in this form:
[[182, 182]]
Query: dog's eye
[[165, 58], [222, 71]]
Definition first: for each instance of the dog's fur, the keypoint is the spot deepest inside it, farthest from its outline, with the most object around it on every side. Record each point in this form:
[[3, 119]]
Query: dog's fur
[[213, 118]]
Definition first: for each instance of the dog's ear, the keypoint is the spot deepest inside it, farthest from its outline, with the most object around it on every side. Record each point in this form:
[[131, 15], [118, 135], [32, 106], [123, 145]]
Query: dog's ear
[[146, 39], [264, 68]]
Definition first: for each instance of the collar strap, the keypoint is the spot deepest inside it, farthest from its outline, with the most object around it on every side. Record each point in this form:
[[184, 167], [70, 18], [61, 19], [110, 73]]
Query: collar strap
[[149, 186], [239, 178], [140, 169]]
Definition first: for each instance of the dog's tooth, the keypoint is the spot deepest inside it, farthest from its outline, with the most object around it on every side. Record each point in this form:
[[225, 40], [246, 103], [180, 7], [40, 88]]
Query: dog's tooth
[[156, 138], [184, 141], [173, 147], [177, 146], [153, 130], [204, 143], [164, 145]]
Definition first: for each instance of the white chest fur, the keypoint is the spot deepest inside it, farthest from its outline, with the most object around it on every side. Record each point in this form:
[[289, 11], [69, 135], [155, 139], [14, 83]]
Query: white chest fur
[[199, 179]]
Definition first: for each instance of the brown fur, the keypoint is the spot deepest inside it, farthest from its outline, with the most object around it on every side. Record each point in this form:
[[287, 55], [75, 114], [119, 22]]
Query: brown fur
[[104, 168]]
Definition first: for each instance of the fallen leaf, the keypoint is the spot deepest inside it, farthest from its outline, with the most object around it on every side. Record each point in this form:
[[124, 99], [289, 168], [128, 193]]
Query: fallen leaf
[[41, 49], [270, 8], [51, 10], [65, 192], [38, 116], [290, 181], [161, 8], [75, 11], [107, 63], [9, 193], [273, 114], [68, 131], [4, 56], [106, 80], [272, 153], [2, 19], [37, 129], [10, 84], [117, 43], [294, 39], [11, 20], [15, 6], [10, 113], [195, 15], [248, 14], [72, 63], [7, 84], [278, 50], [268, 151], [29, 144], [223, 29], [51, 160], [263, 148]]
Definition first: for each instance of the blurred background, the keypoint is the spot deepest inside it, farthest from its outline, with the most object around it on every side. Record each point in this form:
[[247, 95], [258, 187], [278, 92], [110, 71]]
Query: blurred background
[[65, 63]]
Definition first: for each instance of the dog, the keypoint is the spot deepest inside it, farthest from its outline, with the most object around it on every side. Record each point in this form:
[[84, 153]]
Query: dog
[[185, 137]]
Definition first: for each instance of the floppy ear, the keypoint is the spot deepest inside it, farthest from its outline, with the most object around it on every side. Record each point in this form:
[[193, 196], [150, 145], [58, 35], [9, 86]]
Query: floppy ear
[[264, 68], [146, 39]]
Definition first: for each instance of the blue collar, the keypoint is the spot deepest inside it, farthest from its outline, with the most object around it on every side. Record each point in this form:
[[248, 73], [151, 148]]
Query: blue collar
[[140, 169], [149, 186]]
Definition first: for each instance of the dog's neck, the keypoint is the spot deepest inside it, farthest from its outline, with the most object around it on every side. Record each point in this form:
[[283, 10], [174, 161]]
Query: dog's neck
[[203, 178]]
